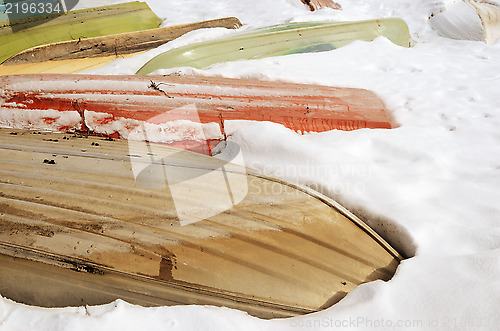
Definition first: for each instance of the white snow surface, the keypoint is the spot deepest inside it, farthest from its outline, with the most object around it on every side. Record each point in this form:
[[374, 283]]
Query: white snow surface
[[430, 186]]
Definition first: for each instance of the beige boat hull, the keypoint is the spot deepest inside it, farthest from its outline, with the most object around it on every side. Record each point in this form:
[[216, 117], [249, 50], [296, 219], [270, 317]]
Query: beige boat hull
[[78, 227]]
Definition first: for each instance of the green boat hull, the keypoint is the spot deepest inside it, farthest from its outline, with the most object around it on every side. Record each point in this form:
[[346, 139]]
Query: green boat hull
[[19, 35], [279, 40]]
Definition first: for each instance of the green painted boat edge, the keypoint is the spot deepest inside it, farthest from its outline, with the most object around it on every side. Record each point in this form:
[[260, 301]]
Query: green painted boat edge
[[113, 19], [279, 40]]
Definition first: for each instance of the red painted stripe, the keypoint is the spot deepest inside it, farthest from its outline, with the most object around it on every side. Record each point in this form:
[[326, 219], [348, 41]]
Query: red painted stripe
[[298, 107]]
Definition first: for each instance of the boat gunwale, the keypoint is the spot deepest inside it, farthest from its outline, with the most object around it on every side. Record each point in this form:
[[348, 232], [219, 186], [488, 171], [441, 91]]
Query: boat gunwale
[[80, 265]]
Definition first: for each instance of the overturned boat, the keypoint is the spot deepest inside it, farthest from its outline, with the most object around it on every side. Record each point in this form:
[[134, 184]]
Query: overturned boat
[[24, 33], [89, 53], [213, 106], [477, 20], [87, 220], [285, 39]]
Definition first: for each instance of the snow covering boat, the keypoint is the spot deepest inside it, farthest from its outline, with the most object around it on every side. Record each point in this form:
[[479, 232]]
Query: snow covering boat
[[88, 53], [192, 112], [79, 225], [279, 40], [469, 20], [22, 34]]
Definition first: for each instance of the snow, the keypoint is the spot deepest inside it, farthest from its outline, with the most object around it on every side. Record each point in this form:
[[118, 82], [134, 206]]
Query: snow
[[431, 186]]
